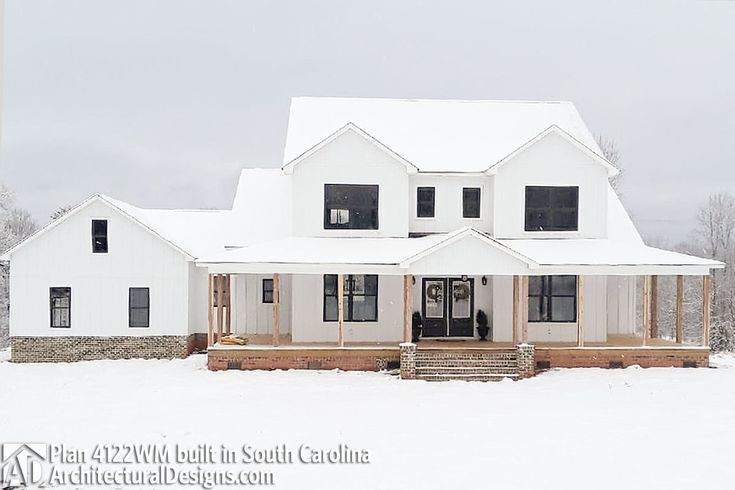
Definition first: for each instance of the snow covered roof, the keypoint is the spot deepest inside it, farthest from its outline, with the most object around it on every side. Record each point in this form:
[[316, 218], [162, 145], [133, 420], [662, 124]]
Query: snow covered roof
[[195, 233], [435, 135], [601, 252], [262, 207], [396, 256]]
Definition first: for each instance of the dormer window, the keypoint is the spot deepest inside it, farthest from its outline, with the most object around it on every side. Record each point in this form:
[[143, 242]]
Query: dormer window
[[552, 208], [99, 236], [351, 207]]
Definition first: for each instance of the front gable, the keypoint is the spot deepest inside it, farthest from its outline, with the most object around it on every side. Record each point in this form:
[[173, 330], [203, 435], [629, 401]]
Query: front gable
[[564, 142], [353, 158], [551, 160], [355, 143], [468, 252]]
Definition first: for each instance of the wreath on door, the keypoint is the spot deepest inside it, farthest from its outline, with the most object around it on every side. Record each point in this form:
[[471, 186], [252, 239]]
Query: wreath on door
[[434, 292], [461, 292]]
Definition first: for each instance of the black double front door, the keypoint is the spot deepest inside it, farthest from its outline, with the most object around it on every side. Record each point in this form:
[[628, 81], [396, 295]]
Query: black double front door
[[447, 307]]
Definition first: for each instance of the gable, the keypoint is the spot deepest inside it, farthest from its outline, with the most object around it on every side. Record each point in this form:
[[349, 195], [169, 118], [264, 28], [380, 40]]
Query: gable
[[469, 255], [352, 145], [555, 144], [96, 206]]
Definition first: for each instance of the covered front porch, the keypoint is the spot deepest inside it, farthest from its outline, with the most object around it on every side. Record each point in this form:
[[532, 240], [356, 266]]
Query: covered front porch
[[360, 313]]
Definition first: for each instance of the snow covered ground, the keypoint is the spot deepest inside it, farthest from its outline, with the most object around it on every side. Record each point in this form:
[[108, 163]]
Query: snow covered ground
[[576, 428]]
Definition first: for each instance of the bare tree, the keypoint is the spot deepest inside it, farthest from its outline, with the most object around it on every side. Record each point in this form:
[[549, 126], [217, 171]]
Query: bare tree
[[15, 224], [610, 151], [714, 237]]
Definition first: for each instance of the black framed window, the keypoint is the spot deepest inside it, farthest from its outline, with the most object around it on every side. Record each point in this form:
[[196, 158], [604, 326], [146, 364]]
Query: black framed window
[[470, 202], [425, 199], [99, 236], [352, 207], [360, 298], [552, 299], [552, 208], [60, 304], [267, 290], [139, 307]]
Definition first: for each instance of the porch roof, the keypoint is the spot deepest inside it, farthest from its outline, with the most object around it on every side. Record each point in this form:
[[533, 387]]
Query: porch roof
[[464, 251], [608, 256]]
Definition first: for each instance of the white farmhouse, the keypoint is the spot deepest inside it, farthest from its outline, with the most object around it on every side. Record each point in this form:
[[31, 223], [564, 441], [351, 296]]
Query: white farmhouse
[[386, 215]]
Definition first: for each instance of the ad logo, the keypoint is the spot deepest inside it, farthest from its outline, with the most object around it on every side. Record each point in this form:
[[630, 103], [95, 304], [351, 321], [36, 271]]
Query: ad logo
[[22, 464]]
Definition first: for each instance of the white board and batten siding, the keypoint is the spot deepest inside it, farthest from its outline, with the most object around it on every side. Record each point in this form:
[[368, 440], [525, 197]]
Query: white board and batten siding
[[99, 283], [551, 161], [250, 315], [350, 159], [448, 203], [599, 297]]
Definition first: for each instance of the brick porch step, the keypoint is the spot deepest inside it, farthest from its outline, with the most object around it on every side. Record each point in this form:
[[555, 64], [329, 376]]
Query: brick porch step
[[477, 365], [465, 377]]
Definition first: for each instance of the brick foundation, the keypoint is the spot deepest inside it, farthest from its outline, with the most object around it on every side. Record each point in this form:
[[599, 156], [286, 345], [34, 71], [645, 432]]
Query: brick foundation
[[83, 348], [358, 359], [621, 357]]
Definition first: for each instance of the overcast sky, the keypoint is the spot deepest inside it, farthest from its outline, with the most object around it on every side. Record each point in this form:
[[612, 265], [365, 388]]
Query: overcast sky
[[161, 102]]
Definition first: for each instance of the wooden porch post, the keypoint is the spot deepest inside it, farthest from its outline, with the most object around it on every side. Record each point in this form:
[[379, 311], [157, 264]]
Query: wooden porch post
[[646, 308], [515, 310], [654, 307], [679, 309], [340, 310], [524, 310], [706, 280], [228, 313], [276, 310], [407, 307], [580, 311], [210, 311], [220, 283]]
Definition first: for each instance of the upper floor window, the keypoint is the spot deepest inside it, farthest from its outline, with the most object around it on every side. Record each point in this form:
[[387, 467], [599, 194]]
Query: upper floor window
[[360, 299], [470, 202], [552, 299], [60, 303], [99, 236], [552, 208], [139, 307], [425, 202], [353, 207]]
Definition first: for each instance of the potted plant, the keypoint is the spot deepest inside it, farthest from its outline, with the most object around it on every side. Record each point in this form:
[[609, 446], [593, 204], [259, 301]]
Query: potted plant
[[482, 327], [416, 322]]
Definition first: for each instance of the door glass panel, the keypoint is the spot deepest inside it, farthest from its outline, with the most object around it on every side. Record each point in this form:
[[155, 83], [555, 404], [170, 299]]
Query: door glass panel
[[461, 293], [434, 299]]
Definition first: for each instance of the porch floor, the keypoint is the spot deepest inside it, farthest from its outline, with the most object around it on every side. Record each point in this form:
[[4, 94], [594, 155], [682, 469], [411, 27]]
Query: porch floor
[[625, 341]]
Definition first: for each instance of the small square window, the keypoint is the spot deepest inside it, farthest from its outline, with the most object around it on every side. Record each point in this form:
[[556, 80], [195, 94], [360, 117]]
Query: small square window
[[267, 290], [99, 236]]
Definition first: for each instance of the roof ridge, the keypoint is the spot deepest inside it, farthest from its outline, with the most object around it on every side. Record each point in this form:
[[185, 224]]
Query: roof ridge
[[409, 99]]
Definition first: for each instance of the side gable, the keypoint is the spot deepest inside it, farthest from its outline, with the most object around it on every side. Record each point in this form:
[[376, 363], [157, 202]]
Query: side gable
[[554, 129], [349, 127], [97, 198]]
